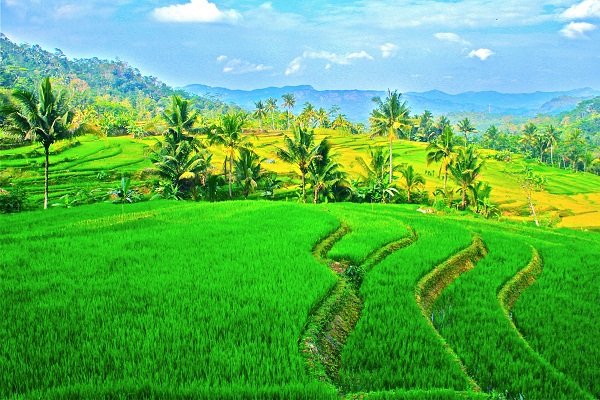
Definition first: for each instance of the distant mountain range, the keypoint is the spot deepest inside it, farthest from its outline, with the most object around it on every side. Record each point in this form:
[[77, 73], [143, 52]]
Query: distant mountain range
[[357, 104]]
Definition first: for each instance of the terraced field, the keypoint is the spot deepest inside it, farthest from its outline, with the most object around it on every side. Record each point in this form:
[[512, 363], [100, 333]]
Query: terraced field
[[97, 164], [280, 300]]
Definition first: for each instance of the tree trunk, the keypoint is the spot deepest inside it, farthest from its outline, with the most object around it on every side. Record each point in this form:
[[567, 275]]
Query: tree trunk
[[316, 194], [288, 120], [303, 186], [552, 155], [445, 178], [391, 163], [46, 168], [464, 199], [408, 195], [272, 121], [230, 175], [537, 223]]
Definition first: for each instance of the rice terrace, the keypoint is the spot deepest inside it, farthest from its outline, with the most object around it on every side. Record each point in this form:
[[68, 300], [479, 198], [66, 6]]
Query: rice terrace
[[278, 241]]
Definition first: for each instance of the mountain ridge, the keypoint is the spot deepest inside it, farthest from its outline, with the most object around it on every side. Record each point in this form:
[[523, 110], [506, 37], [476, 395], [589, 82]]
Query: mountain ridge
[[357, 104]]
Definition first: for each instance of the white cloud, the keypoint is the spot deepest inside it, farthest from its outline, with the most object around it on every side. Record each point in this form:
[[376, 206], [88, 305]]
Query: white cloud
[[201, 11], [68, 11], [583, 10], [450, 37], [577, 30], [294, 66], [238, 66], [388, 50], [482, 54]]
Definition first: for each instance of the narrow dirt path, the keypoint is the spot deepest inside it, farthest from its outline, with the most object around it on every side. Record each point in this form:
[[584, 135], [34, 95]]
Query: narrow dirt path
[[431, 286], [335, 316]]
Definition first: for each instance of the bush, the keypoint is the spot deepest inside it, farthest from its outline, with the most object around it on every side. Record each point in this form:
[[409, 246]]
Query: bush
[[14, 200], [355, 274]]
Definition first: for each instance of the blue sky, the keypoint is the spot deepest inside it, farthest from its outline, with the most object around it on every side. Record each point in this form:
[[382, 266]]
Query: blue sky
[[451, 45]]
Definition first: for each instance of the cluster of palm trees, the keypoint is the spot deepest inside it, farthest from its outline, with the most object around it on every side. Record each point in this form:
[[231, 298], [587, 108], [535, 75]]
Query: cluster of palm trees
[[309, 116]]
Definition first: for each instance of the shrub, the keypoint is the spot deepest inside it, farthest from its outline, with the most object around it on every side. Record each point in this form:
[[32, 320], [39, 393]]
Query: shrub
[[14, 200]]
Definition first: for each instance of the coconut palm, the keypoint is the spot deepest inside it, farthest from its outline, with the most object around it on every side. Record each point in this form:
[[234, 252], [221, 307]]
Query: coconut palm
[[376, 175], [44, 117], [466, 169], [411, 180], [340, 122], [528, 138], [466, 128], [322, 117], [289, 101], [442, 150], [182, 164], [181, 120], [480, 192], [552, 137], [260, 112], [308, 115], [271, 107], [324, 172], [390, 118], [229, 134], [248, 170], [301, 151]]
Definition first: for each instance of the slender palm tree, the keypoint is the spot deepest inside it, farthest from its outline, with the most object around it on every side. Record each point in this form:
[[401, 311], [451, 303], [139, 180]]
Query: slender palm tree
[[552, 136], [390, 118], [248, 171], [466, 169], [442, 150], [289, 101], [528, 138], [181, 120], [491, 136], [301, 151], [260, 112], [376, 175], [271, 107], [44, 117], [412, 180], [480, 192], [229, 134], [308, 115], [322, 117], [340, 122], [324, 171], [466, 127]]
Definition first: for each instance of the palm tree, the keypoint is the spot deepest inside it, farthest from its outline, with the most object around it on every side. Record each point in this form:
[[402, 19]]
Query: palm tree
[[181, 119], [552, 136], [289, 101], [322, 117], [230, 135], [324, 172], [412, 180], [491, 136], [260, 112], [271, 107], [301, 151], [340, 122], [308, 114], [45, 117], [376, 175], [442, 150], [528, 139], [465, 169], [466, 128], [389, 118], [480, 192], [248, 170]]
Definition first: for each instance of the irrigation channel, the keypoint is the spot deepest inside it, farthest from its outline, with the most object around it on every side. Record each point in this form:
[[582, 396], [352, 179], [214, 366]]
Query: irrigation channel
[[335, 316]]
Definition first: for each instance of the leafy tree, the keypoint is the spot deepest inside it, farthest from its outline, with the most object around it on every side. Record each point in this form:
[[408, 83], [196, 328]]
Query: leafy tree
[[466, 127], [465, 169], [229, 134], [260, 112], [528, 138], [411, 180], [271, 107], [181, 120], [425, 129], [325, 173], [531, 182], [442, 150], [340, 122], [390, 118], [289, 101], [44, 117], [322, 117], [248, 170], [308, 115], [301, 151], [480, 192]]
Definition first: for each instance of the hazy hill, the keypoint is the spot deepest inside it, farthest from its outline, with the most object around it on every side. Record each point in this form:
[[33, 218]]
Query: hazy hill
[[357, 104]]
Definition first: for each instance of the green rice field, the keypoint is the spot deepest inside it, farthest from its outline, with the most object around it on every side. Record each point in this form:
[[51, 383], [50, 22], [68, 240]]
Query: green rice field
[[197, 300]]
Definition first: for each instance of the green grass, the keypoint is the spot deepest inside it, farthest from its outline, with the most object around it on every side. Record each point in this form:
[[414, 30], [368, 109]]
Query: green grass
[[171, 298]]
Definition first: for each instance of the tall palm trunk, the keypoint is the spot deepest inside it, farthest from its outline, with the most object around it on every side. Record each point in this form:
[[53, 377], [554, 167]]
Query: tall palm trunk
[[230, 175], [303, 186], [464, 198], [288, 120], [552, 154], [46, 168], [391, 161], [272, 120], [316, 194]]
